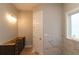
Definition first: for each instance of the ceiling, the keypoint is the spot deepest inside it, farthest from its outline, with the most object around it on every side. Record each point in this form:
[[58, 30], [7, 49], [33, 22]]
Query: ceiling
[[25, 6]]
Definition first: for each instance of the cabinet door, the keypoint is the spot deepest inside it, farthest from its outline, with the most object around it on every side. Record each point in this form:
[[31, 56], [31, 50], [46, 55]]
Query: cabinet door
[[38, 31]]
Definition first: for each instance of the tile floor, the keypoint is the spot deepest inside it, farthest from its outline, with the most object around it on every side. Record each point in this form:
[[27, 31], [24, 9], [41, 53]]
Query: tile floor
[[27, 51]]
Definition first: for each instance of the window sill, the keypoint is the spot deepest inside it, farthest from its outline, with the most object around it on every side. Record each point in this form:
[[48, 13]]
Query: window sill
[[75, 39]]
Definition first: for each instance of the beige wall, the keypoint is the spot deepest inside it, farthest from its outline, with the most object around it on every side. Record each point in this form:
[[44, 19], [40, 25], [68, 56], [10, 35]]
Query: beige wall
[[70, 46], [7, 30], [70, 6], [25, 26]]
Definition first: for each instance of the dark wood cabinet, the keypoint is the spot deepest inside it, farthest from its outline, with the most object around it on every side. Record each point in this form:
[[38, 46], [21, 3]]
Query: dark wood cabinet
[[13, 47]]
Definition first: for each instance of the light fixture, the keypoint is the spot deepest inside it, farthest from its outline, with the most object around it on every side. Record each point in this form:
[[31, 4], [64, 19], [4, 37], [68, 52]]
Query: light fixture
[[11, 18]]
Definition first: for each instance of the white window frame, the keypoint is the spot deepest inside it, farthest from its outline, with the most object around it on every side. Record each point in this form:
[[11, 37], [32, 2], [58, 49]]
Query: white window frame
[[68, 29]]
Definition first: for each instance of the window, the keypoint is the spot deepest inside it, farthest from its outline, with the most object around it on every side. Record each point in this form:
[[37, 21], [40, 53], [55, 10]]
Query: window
[[73, 25]]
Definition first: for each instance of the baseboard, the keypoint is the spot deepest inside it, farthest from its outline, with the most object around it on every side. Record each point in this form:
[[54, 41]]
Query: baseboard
[[34, 52], [28, 46]]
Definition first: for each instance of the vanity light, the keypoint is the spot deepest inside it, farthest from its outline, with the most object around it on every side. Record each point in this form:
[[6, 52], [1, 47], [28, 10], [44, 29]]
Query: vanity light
[[11, 18]]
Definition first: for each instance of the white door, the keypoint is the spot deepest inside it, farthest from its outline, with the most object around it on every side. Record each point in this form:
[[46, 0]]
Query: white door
[[38, 31]]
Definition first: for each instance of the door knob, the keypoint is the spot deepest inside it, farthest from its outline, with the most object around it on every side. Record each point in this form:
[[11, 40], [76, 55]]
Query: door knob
[[40, 39]]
